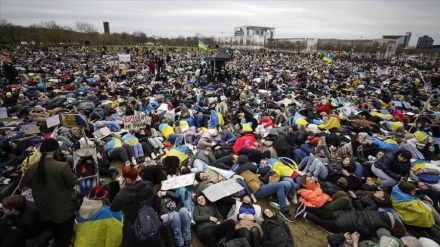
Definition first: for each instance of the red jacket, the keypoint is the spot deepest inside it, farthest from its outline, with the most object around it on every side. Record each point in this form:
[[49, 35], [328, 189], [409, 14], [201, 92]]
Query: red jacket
[[266, 121], [239, 143], [313, 196], [327, 108]]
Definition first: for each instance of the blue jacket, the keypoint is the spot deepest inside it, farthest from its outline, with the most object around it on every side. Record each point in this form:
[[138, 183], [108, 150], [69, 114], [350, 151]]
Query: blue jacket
[[392, 167]]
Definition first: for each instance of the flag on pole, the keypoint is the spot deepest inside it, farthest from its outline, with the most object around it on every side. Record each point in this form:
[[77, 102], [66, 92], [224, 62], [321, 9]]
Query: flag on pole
[[202, 46]]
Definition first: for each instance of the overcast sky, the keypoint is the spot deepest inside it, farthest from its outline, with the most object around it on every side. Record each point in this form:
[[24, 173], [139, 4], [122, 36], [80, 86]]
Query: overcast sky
[[349, 19]]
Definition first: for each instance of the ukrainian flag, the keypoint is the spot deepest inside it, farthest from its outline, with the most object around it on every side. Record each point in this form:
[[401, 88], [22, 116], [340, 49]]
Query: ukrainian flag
[[327, 58], [202, 46]]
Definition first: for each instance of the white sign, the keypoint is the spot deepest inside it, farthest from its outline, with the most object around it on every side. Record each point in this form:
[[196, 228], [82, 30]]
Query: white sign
[[102, 132], [219, 190], [178, 182], [139, 120], [30, 129], [53, 120], [124, 57], [3, 112]]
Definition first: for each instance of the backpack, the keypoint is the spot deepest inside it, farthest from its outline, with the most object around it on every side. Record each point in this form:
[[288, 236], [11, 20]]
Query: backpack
[[147, 223]]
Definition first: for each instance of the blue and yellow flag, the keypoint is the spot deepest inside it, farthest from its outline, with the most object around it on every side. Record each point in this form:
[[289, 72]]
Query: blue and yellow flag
[[327, 58], [202, 46]]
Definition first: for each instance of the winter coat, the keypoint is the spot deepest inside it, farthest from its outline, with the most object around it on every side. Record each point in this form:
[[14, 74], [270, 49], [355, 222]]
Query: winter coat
[[390, 165], [27, 221], [58, 197], [266, 121], [127, 201], [366, 222], [201, 216], [166, 200], [364, 202], [249, 173], [313, 196], [277, 234], [97, 225]]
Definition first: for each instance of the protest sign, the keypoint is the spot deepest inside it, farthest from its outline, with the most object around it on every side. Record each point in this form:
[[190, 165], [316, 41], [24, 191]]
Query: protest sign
[[30, 129], [3, 112], [102, 132], [52, 121], [219, 190], [74, 120], [178, 182], [124, 58], [139, 120]]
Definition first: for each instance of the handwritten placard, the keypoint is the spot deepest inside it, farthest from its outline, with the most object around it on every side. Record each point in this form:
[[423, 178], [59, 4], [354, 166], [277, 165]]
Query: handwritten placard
[[217, 191], [178, 182], [102, 132], [53, 121], [139, 120]]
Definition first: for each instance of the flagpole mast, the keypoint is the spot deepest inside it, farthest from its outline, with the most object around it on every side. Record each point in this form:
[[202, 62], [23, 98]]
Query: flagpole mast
[[423, 109]]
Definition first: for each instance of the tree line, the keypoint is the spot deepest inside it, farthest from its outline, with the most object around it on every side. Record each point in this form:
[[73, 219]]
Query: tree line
[[49, 33]]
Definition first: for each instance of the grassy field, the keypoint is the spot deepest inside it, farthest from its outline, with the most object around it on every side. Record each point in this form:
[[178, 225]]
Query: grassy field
[[305, 233]]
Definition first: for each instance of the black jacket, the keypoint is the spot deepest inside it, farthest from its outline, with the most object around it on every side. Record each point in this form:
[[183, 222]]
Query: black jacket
[[276, 234], [392, 167], [127, 201], [365, 222]]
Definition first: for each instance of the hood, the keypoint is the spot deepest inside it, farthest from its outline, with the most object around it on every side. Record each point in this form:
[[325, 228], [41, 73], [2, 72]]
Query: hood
[[89, 208]]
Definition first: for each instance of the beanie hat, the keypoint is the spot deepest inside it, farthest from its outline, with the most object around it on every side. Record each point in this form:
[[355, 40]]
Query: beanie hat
[[49, 145], [336, 240], [98, 192]]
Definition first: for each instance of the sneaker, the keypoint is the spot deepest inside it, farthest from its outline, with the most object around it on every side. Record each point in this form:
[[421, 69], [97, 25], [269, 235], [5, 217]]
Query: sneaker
[[287, 216], [287, 202], [295, 199], [133, 161], [193, 223], [300, 210], [254, 199], [275, 205], [153, 156]]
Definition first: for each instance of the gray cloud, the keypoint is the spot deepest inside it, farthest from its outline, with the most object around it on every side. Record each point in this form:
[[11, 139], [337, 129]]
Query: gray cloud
[[315, 19]]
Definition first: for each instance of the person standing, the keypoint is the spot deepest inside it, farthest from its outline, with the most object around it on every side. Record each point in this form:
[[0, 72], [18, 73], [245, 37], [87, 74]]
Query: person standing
[[52, 183]]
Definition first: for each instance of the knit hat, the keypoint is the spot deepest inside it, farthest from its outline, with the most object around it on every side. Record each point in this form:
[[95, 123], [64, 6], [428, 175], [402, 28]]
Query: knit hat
[[336, 240], [49, 145], [98, 192]]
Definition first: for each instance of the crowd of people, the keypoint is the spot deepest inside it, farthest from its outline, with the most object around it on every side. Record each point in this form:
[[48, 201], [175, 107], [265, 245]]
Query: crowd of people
[[350, 145]]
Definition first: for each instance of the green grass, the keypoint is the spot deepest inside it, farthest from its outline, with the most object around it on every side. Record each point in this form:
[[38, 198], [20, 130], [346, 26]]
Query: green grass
[[305, 233]]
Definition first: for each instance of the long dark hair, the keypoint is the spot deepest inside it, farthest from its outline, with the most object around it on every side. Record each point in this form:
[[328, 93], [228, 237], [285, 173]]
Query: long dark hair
[[41, 171]]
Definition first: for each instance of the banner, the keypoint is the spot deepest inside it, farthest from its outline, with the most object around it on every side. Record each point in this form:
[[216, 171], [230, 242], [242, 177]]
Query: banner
[[139, 120], [124, 57], [178, 182], [102, 132]]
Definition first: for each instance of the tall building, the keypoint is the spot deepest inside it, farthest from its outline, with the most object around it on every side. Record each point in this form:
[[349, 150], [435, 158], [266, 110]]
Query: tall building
[[249, 36], [106, 27], [402, 40], [424, 42]]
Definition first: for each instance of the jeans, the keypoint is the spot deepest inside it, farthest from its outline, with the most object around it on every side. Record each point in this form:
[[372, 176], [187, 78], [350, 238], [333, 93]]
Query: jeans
[[176, 139], [199, 166], [187, 201], [276, 190], [138, 151], [86, 186], [180, 225], [293, 185], [314, 165], [359, 171], [385, 180], [246, 190], [155, 142]]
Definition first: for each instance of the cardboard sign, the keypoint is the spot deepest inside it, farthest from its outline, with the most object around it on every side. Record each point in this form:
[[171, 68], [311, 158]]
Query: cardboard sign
[[102, 132], [3, 112], [139, 120], [124, 57], [74, 120], [219, 190], [30, 129], [53, 120], [178, 182]]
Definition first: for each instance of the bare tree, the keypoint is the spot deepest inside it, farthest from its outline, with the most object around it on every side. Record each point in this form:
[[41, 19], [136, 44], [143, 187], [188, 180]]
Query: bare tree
[[84, 27]]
